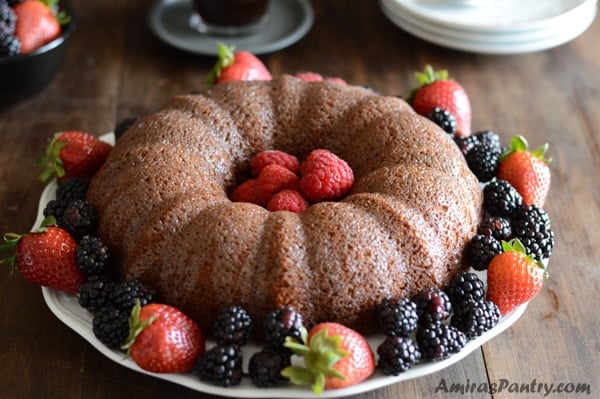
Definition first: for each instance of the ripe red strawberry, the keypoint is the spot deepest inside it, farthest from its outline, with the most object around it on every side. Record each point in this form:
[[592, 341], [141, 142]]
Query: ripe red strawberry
[[163, 339], [45, 256], [239, 65], [36, 25], [527, 171], [513, 277], [437, 90], [335, 356], [73, 154]]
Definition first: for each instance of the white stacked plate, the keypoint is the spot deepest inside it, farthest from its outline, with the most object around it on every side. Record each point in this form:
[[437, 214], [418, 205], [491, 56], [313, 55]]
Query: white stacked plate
[[493, 26]]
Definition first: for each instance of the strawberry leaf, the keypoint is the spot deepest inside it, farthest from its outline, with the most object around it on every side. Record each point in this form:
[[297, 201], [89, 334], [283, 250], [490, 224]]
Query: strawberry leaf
[[50, 162], [226, 58], [428, 76], [136, 326]]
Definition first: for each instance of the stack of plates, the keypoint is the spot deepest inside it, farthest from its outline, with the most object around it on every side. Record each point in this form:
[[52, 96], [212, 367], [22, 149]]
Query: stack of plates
[[493, 26]]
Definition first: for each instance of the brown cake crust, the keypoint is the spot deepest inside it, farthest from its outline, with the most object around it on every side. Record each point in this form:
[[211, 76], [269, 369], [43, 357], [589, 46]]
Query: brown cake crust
[[162, 197]]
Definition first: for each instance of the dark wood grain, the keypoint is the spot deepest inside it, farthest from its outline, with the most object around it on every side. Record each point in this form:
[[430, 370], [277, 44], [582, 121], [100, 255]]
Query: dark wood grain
[[117, 69]]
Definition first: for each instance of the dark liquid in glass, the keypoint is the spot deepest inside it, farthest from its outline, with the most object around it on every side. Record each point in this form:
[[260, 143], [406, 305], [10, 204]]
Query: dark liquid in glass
[[231, 12]]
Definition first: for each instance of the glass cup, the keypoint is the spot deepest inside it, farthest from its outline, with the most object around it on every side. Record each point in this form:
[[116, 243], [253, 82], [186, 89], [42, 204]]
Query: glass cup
[[229, 17]]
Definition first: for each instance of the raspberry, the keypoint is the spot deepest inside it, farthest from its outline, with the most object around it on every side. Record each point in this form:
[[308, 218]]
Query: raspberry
[[309, 76], [287, 200], [325, 176], [264, 158], [246, 192], [273, 178]]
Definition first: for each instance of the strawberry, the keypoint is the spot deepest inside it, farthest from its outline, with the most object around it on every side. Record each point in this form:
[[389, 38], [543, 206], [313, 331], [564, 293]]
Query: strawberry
[[37, 23], [437, 90], [513, 277], [45, 256], [162, 339], [527, 171], [335, 356], [240, 65], [73, 154]]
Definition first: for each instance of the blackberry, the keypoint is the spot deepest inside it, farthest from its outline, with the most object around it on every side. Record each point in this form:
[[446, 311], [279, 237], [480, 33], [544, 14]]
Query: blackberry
[[13, 3], [94, 292], [397, 354], [397, 317], [463, 288], [92, 255], [111, 326], [483, 160], [72, 189], [221, 365], [437, 341], [56, 208], [500, 198], [481, 250], [531, 225], [433, 305], [265, 367], [476, 318], [444, 119], [495, 226], [123, 126], [8, 20], [232, 326], [9, 45], [125, 294], [466, 144], [488, 137], [79, 218], [281, 323]]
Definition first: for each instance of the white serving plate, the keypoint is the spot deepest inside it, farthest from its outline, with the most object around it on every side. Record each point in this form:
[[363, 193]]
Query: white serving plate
[[493, 43], [66, 308]]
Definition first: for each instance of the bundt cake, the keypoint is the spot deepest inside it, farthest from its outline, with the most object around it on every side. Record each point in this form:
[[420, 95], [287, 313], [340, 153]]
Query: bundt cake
[[162, 198]]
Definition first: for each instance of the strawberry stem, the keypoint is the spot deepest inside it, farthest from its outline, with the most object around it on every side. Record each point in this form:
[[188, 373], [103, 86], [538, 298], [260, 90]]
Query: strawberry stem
[[50, 162], [226, 58], [428, 76], [136, 326], [519, 143]]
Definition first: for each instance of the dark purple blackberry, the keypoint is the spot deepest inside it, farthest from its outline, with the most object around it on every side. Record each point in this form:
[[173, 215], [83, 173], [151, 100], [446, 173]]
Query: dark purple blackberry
[[466, 144], [111, 327], [444, 119], [476, 317], [94, 293], [92, 255], [531, 225], [232, 326], [397, 354], [123, 126], [488, 137], [265, 367], [433, 305], [481, 250], [437, 341], [500, 198], [125, 294], [8, 20], [495, 226], [72, 189], [56, 208], [79, 218], [9, 45], [221, 365], [397, 317], [282, 323], [483, 160], [463, 288]]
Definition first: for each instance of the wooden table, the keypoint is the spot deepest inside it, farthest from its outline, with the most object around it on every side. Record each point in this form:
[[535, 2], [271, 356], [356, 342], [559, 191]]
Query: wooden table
[[116, 69]]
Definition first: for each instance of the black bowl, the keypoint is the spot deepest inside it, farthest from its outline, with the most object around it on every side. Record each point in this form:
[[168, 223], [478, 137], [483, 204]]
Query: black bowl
[[23, 75]]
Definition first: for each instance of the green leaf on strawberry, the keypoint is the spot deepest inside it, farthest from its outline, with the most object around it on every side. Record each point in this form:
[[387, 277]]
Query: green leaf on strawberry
[[226, 58]]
